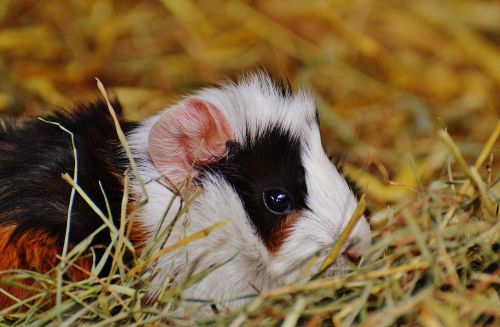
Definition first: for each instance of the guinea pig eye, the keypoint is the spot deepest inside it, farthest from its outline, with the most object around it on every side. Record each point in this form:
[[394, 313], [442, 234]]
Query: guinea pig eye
[[277, 201]]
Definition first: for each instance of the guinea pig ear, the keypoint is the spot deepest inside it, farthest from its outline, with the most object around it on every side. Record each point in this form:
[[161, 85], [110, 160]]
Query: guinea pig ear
[[189, 135]]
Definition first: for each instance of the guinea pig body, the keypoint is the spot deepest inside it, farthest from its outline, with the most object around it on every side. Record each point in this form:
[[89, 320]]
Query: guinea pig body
[[248, 153], [34, 199]]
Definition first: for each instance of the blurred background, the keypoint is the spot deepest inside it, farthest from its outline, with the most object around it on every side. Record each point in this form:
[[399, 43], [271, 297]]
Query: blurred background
[[387, 75]]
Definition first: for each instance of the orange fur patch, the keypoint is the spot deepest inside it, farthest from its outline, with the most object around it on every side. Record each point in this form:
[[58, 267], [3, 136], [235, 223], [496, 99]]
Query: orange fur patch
[[138, 236], [137, 233], [36, 251], [280, 233]]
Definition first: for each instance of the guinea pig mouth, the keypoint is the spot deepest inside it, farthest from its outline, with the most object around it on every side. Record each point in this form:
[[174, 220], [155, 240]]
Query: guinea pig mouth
[[338, 269], [345, 264]]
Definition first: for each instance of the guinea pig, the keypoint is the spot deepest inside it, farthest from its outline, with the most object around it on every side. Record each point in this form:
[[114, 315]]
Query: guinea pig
[[247, 152]]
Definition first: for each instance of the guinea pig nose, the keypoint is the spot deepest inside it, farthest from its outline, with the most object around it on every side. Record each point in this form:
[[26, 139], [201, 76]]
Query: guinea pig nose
[[352, 255]]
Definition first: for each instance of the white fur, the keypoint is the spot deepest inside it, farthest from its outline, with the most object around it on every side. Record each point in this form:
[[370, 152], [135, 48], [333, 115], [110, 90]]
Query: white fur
[[249, 106]]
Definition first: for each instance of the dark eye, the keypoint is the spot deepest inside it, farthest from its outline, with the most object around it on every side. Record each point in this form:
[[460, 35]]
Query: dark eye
[[277, 201]]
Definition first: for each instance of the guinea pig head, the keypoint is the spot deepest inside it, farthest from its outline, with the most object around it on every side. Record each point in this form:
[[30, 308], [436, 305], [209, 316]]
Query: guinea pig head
[[255, 155]]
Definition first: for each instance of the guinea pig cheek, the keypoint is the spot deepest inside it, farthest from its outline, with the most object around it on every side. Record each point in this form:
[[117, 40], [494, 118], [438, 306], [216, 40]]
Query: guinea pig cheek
[[280, 232]]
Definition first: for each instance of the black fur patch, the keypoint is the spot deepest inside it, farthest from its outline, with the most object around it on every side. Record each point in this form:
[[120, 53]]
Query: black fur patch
[[271, 161], [33, 155]]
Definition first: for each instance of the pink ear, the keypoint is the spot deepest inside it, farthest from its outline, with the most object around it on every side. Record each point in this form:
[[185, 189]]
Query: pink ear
[[192, 131]]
